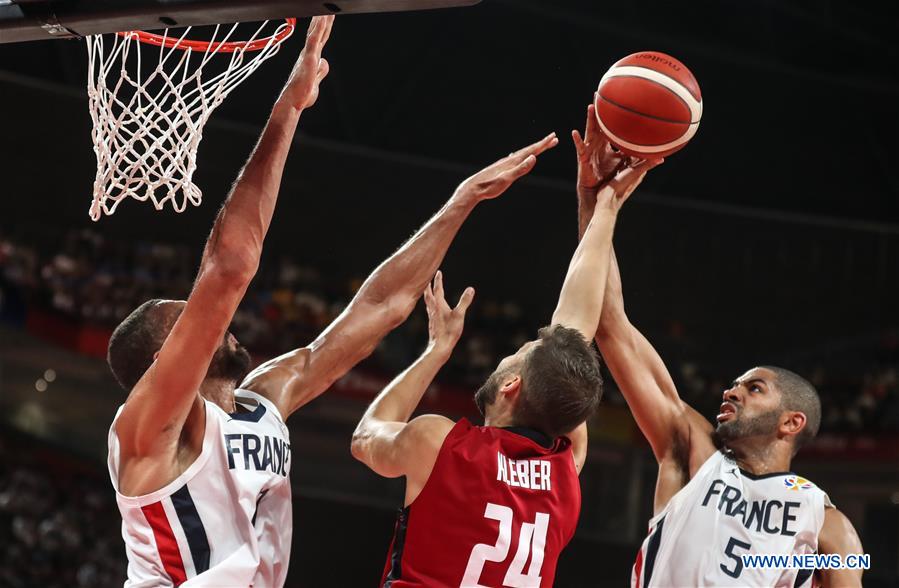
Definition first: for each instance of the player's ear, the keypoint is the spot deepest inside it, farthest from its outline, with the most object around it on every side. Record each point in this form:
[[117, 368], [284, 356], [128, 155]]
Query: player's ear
[[792, 423], [511, 385]]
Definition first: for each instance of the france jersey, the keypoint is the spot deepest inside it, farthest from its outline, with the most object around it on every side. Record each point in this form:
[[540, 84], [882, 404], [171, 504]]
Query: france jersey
[[226, 521], [724, 513]]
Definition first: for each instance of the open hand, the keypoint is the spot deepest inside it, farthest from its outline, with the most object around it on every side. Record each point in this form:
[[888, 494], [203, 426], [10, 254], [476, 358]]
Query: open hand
[[597, 160], [445, 323], [495, 179], [301, 90]]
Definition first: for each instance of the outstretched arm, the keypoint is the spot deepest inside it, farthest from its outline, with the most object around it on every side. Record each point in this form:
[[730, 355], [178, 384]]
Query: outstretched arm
[[165, 404], [643, 378], [388, 295], [636, 366], [579, 306], [385, 440]]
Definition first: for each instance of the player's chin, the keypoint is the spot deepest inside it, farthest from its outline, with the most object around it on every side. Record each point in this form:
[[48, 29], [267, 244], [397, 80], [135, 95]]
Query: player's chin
[[727, 426]]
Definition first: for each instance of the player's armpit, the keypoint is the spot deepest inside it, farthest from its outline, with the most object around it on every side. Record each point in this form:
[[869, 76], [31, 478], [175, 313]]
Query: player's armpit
[[394, 449], [579, 441], [839, 537]]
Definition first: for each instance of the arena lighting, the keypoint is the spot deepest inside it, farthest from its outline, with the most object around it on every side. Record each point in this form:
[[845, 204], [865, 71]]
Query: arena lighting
[[40, 385], [50, 374]]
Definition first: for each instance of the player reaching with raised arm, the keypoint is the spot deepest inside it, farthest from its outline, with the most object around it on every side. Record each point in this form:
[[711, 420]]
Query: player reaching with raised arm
[[199, 454], [724, 491], [495, 505]]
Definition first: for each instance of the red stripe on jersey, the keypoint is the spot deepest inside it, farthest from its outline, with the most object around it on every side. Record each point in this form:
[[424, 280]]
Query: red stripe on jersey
[[165, 542], [637, 567]]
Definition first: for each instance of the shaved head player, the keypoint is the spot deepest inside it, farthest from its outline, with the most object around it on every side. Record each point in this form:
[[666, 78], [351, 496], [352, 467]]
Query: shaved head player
[[723, 491], [199, 453], [495, 505]]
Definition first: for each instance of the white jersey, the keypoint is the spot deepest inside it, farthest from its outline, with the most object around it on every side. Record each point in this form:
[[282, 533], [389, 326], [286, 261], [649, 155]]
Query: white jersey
[[723, 513], [226, 521]]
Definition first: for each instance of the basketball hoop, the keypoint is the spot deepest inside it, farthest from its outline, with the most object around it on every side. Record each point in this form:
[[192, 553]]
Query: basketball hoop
[[147, 127]]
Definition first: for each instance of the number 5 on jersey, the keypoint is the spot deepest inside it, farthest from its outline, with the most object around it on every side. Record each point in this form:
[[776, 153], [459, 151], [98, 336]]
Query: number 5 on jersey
[[531, 542]]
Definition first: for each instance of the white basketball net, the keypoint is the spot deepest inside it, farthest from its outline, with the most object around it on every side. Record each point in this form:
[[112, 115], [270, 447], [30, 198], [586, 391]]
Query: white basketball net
[[148, 126]]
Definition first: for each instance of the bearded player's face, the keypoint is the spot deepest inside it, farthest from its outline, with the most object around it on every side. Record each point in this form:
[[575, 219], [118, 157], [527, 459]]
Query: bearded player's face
[[231, 361], [751, 407]]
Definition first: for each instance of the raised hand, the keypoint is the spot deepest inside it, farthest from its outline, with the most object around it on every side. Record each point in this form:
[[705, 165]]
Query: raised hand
[[597, 160], [613, 194], [495, 179], [445, 323], [301, 90]]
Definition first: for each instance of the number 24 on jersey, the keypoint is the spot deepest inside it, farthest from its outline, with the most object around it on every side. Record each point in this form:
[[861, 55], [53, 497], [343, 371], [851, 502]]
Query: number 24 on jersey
[[531, 542]]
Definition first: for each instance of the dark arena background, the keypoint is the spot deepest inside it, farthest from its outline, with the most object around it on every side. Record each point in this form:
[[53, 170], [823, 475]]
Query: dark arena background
[[773, 238]]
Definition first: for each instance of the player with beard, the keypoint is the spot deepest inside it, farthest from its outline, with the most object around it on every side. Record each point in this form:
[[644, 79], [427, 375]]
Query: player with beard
[[495, 505], [723, 491], [199, 453]]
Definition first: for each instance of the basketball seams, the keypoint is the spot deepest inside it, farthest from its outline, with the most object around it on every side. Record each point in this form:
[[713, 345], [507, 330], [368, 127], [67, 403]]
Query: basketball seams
[[652, 116], [651, 149], [695, 97], [651, 75], [683, 125]]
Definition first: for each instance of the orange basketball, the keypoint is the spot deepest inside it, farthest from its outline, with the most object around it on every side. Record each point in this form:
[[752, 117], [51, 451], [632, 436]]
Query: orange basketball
[[648, 104]]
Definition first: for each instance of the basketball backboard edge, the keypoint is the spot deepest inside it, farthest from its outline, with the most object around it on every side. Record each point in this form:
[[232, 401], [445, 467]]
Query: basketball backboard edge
[[34, 20]]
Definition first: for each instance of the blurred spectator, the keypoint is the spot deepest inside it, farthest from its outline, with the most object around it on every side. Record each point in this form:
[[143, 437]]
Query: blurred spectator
[[90, 280], [58, 532]]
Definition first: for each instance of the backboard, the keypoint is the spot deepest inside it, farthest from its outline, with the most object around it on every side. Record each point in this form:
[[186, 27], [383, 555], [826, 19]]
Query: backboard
[[33, 20]]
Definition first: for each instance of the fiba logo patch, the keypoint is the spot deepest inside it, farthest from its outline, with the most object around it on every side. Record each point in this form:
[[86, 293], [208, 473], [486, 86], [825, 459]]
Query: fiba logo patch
[[796, 482]]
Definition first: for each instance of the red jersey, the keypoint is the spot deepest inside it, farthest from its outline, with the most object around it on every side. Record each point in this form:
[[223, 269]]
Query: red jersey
[[497, 510]]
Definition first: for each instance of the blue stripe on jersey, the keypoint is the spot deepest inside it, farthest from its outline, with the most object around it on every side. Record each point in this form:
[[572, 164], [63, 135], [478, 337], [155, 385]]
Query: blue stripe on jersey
[[652, 549], [252, 417], [193, 528], [802, 577]]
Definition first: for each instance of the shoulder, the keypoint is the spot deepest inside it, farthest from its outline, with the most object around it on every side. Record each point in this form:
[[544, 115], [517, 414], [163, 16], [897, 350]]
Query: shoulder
[[427, 432], [837, 533], [274, 378]]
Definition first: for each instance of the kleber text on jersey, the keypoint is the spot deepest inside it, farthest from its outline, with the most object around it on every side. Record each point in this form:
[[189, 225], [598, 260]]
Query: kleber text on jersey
[[533, 474]]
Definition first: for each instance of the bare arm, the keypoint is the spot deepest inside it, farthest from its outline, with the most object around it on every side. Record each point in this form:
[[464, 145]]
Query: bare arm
[[838, 537], [388, 295], [636, 366], [165, 403], [642, 376], [385, 440], [579, 304]]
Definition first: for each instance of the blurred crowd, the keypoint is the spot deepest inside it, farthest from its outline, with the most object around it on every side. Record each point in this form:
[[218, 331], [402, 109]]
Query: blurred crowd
[[90, 279], [58, 530], [87, 278]]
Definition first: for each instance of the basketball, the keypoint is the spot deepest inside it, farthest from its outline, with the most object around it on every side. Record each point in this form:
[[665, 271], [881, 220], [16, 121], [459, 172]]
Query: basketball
[[648, 104]]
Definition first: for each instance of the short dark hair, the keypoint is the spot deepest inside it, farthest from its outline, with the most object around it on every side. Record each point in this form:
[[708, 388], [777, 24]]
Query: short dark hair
[[137, 339], [798, 394], [561, 384]]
